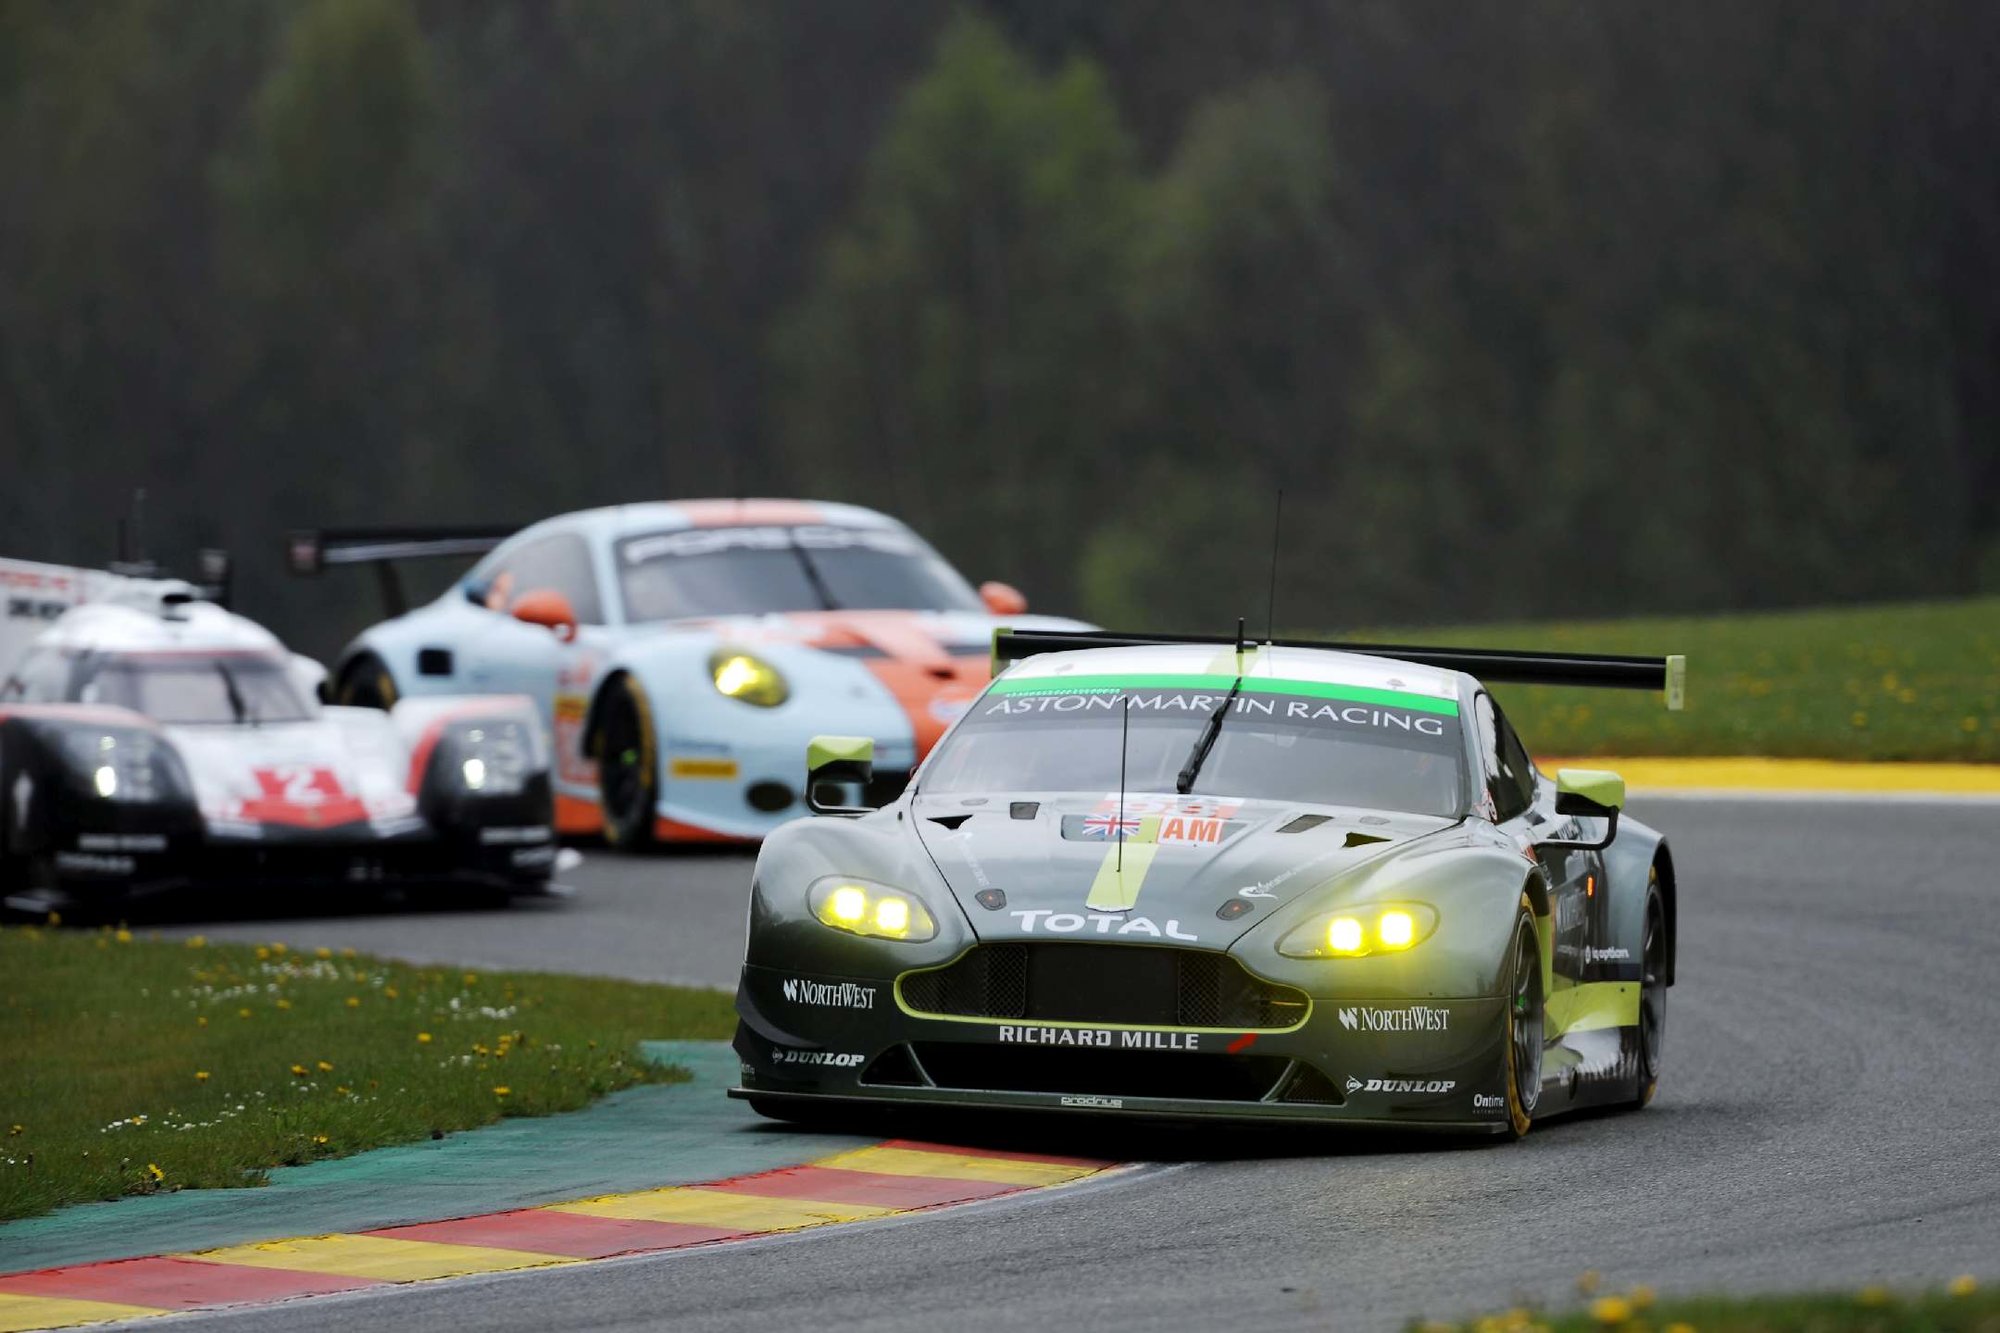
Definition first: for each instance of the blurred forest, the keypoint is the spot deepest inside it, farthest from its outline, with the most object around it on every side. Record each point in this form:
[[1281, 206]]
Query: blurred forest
[[1536, 307]]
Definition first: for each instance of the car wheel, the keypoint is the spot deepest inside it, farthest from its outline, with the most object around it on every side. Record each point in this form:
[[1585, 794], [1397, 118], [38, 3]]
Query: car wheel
[[1522, 1023], [1652, 994], [628, 765], [366, 683]]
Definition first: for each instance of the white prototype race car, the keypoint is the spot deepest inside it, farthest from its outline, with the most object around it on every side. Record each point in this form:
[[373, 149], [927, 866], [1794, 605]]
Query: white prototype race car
[[150, 739]]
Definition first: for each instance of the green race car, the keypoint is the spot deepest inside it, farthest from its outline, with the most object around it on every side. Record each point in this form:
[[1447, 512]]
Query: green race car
[[1191, 879]]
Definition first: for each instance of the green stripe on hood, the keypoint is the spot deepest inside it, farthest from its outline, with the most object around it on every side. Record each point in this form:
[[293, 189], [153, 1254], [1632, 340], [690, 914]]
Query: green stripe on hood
[[1318, 689]]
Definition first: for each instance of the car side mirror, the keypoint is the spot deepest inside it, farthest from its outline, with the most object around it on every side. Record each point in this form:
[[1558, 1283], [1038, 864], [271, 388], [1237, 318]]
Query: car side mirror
[[833, 764], [1589, 793], [548, 608], [476, 590], [1002, 599]]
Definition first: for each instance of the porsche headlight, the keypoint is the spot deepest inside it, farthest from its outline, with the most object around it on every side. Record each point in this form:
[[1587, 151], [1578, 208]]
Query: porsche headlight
[[121, 765], [862, 907], [748, 678], [1356, 932], [493, 758]]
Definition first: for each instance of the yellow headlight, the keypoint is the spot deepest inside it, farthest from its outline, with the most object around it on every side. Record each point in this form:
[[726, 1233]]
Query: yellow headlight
[[1343, 935], [748, 678], [859, 907], [1362, 930]]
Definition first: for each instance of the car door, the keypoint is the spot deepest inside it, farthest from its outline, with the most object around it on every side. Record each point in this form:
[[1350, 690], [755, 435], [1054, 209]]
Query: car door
[[1524, 808], [511, 656]]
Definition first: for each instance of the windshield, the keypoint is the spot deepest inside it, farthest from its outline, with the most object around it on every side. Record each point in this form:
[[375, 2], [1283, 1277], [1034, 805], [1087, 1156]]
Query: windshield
[[747, 571], [197, 687], [1294, 741]]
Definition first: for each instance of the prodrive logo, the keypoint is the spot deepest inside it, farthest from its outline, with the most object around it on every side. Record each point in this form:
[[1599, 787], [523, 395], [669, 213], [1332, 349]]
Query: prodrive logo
[[1413, 1018]]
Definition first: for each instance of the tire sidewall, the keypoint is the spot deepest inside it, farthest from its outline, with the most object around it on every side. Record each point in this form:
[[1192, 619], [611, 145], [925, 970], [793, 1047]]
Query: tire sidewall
[[632, 828], [1520, 1112]]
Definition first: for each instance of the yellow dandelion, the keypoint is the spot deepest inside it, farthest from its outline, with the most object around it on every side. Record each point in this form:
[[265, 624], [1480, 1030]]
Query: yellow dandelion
[[1859, 720], [478, 1049], [55, 918], [123, 936], [319, 1140], [16, 1131], [201, 1076], [197, 941], [347, 953], [389, 991], [502, 1090], [1962, 1285], [1641, 1297], [342, 1090], [278, 949], [322, 953], [201, 1021], [243, 1013], [423, 1039], [1875, 1295], [1970, 725], [298, 1071], [354, 1002], [284, 1003], [326, 1067], [472, 978], [154, 1174], [262, 953], [1680, 1328], [1611, 1310]]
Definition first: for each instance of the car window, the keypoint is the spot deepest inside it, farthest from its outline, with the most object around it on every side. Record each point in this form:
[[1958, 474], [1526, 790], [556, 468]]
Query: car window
[[1510, 776], [196, 688], [558, 563], [813, 567], [1285, 741]]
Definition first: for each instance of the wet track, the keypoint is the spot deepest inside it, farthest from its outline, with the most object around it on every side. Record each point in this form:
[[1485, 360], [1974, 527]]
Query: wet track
[[1830, 1116]]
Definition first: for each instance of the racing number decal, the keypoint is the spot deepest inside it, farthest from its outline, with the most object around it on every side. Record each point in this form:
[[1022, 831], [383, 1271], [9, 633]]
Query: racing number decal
[[295, 794]]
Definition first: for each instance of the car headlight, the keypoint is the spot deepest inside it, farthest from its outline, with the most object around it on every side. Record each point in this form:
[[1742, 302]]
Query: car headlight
[[493, 758], [861, 907], [1356, 932], [747, 678], [131, 766]]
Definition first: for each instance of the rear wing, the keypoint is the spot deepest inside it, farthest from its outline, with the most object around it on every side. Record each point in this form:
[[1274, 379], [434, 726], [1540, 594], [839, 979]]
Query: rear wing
[[1666, 674], [310, 552], [33, 594]]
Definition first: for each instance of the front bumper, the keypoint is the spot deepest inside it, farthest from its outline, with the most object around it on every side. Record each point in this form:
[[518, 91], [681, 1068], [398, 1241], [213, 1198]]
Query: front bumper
[[820, 1039], [102, 865]]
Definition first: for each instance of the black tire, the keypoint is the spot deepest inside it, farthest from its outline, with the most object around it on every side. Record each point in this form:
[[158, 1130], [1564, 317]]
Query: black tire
[[1651, 1038], [365, 682], [628, 765], [1521, 1023]]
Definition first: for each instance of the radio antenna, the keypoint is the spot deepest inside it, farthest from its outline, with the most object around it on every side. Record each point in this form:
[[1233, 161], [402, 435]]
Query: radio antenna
[[1271, 601], [1124, 738]]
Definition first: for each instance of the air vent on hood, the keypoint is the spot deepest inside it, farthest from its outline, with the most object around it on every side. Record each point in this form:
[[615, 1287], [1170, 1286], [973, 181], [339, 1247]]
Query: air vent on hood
[[1363, 839], [950, 821], [1304, 822]]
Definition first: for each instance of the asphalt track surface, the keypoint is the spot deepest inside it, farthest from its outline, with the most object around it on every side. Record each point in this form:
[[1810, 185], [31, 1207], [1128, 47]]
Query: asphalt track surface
[[1830, 1117]]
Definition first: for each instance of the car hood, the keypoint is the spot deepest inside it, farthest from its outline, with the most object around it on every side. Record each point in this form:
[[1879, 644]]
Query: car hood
[[934, 663], [306, 774], [1054, 859]]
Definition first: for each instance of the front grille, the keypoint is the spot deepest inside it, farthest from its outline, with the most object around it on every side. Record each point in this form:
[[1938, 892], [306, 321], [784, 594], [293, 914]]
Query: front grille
[[1104, 983], [1101, 1073]]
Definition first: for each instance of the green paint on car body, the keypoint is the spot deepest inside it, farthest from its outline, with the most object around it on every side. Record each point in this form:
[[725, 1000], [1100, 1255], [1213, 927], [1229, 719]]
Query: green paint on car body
[[1315, 689]]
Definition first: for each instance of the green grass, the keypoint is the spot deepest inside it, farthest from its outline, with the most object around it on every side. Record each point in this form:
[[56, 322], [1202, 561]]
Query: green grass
[[1915, 681], [130, 1066], [1961, 1308]]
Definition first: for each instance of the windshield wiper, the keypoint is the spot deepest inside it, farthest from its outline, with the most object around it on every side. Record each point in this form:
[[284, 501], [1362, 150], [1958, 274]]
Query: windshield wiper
[[1192, 768], [813, 576], [236, 704]]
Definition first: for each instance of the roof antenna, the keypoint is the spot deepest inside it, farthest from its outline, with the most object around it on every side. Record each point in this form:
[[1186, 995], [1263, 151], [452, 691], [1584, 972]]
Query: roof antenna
[[1124, 739], [1271, 601], [1239, 645]]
